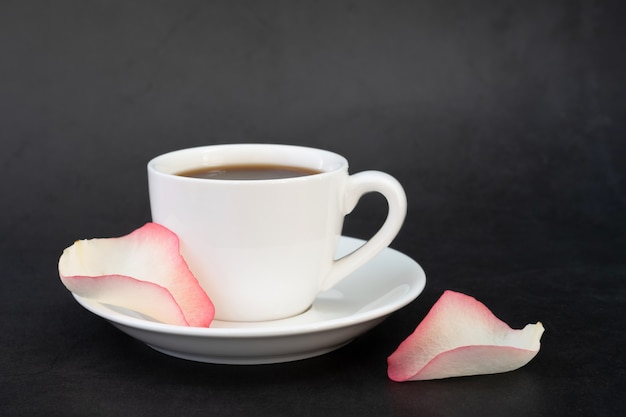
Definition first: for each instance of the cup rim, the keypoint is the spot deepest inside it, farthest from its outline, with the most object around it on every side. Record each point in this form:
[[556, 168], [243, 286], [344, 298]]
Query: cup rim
[[327, 162]]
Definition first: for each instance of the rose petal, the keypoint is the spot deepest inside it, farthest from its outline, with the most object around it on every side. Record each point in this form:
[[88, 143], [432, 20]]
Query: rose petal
[[460, 336], [142, 271]]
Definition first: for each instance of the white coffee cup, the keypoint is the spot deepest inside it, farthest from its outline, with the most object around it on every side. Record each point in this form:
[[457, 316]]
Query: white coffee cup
[[263, 249]]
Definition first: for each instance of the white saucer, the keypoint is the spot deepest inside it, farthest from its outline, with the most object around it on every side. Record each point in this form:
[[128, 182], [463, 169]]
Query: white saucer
[[355, 305]]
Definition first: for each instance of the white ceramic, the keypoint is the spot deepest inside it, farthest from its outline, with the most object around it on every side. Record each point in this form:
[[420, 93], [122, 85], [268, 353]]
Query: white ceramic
[[263, 249], [355, 305]]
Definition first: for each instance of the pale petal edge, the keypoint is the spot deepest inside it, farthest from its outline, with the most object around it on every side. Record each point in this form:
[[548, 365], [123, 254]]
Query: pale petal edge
[[147, 298]]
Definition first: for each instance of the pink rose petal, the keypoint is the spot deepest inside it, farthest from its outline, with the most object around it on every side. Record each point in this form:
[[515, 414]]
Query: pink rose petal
[[460, 336], [142, 271]]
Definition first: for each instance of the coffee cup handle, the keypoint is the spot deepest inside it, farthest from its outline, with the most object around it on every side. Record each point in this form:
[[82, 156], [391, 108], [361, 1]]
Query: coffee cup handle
[[357, 186]]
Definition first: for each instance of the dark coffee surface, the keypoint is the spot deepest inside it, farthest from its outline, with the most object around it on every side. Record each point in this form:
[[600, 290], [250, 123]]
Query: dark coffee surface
[[248, 172]]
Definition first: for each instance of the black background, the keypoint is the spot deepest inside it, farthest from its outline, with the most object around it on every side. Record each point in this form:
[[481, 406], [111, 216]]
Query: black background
[[504, 120]]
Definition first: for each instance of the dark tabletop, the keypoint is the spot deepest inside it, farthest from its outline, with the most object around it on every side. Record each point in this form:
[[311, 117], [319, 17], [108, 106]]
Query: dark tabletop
[[504, 121]]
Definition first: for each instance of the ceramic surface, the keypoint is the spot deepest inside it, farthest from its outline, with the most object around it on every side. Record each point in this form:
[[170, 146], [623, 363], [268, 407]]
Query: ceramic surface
[[355, 305], [264, 249]]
